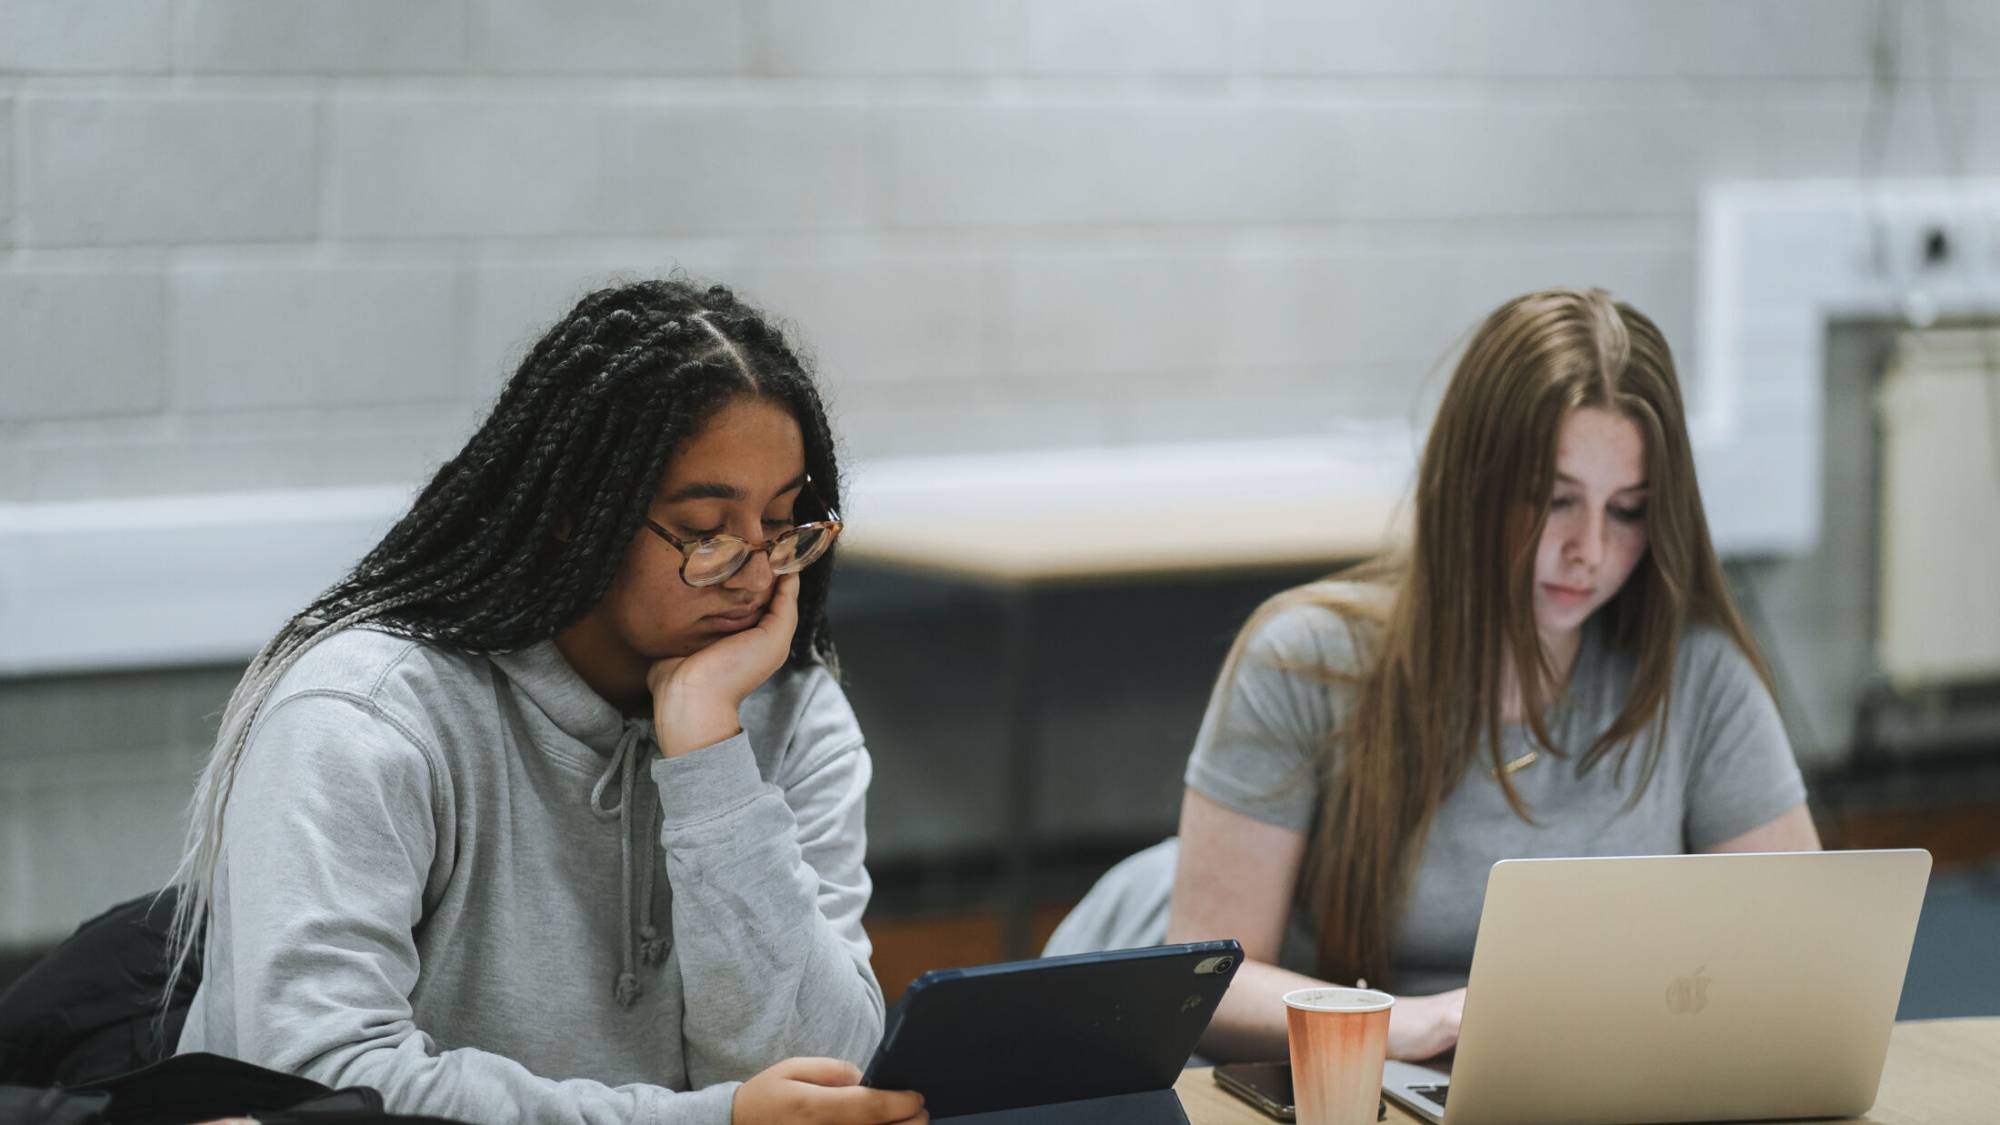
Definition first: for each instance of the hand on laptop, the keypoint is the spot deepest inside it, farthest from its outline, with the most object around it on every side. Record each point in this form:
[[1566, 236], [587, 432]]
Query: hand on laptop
[[825, 1091], [1424, 1027]]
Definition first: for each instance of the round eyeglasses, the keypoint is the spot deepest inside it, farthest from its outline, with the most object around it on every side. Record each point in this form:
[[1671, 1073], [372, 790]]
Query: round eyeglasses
[[716, 558]]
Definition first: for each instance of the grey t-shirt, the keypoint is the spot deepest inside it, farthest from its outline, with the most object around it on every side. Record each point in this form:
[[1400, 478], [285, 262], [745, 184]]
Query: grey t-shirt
[[1726, 768]]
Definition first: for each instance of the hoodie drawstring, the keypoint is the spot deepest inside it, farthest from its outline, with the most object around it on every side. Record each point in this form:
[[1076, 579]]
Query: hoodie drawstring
[[624, 765], [652, 947]]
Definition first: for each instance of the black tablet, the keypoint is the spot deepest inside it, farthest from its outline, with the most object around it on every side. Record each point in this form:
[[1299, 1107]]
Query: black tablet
[[1062, 1029]]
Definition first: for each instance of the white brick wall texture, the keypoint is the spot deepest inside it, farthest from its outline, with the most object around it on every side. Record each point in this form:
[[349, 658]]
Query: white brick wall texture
[[136, 170], [333, 336], [595, 37], [746, 169], [1168, 318], [935, 301], [13, 464], [1003, 164], [474, 167], [339, 37], [240, 451], [1364, 37], [81, 344], [86, 36], [1760, 39], [1091, 37], [894, 37], [6, 172], [327, 229]]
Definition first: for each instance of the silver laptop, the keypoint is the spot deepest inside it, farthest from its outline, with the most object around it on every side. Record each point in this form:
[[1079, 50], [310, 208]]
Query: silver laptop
[[1678, 988]]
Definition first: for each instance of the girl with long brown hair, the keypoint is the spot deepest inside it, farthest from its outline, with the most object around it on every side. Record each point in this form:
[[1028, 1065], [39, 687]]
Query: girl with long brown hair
[[1552, 667]]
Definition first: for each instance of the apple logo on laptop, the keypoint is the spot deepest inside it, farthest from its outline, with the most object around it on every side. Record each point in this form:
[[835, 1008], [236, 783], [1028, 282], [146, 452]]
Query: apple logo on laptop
[[1688, 995]]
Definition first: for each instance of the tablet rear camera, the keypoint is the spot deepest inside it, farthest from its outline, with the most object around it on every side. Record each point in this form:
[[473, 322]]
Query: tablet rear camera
[[1214, 965]]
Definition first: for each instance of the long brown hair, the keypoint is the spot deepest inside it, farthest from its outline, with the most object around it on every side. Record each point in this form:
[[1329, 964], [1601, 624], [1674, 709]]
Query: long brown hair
[[1427, 687]]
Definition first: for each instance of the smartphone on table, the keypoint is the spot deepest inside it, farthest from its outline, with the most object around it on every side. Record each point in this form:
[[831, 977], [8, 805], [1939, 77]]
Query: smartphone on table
[[1268, 1086]]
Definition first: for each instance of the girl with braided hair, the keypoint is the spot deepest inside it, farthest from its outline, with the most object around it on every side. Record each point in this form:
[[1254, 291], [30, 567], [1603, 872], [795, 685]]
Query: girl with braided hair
[[552, 809]]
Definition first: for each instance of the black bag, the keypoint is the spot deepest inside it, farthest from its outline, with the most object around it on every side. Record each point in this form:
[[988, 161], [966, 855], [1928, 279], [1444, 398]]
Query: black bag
[[84, 1041], [20, 1105], [199, 1087], [91, 1008]]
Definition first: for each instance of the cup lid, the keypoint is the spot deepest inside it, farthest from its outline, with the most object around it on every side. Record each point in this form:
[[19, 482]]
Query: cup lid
[[1334, 998]]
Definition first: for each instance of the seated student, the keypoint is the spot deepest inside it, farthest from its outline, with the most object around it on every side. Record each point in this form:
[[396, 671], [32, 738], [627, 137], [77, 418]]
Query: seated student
[[1553, 668], [551, 809]]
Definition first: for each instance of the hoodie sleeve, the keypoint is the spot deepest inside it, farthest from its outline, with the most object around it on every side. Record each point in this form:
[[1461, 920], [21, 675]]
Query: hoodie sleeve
[[329, 841], [769, 889]]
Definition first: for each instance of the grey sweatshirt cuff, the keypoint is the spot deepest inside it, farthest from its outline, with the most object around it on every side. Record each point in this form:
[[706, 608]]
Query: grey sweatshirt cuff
[[708, 782], [710, 1105]]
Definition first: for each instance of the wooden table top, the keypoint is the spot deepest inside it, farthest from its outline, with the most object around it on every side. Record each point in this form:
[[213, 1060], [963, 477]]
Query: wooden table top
[[1070, 516], [1939, 1072]]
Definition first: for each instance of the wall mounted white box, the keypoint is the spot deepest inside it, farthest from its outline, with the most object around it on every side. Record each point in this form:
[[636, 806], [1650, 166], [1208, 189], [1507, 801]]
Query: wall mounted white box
[[1938, 586], [1779, 261]]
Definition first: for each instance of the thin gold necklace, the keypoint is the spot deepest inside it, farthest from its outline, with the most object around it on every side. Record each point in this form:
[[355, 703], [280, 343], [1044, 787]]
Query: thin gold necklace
[[1532, 756]]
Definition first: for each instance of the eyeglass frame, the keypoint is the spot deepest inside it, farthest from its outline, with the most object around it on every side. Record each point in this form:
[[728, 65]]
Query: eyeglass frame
[[832, 525]]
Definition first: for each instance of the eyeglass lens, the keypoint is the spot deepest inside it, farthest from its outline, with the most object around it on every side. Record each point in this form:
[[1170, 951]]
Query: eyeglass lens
[[714, 560]]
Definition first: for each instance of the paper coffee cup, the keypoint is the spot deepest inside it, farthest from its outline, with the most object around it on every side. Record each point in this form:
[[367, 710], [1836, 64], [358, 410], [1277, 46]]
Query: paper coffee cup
[[1339, 1037]]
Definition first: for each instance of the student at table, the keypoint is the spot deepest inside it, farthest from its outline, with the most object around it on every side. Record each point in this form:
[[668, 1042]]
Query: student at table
[[551, 810], [1553, 667]]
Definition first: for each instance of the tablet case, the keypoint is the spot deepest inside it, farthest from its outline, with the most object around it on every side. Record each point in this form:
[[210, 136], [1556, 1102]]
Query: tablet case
[[1094, 1038]]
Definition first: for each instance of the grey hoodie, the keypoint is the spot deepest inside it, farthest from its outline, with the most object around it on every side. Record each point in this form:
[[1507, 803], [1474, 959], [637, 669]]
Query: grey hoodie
[[438, 879]]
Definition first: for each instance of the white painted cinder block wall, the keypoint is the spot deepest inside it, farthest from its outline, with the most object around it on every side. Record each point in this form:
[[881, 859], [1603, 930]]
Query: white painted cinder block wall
[[275, 243]]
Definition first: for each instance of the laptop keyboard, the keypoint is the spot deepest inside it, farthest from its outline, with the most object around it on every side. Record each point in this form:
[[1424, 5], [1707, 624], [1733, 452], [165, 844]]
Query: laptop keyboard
[[1434, 1093]]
